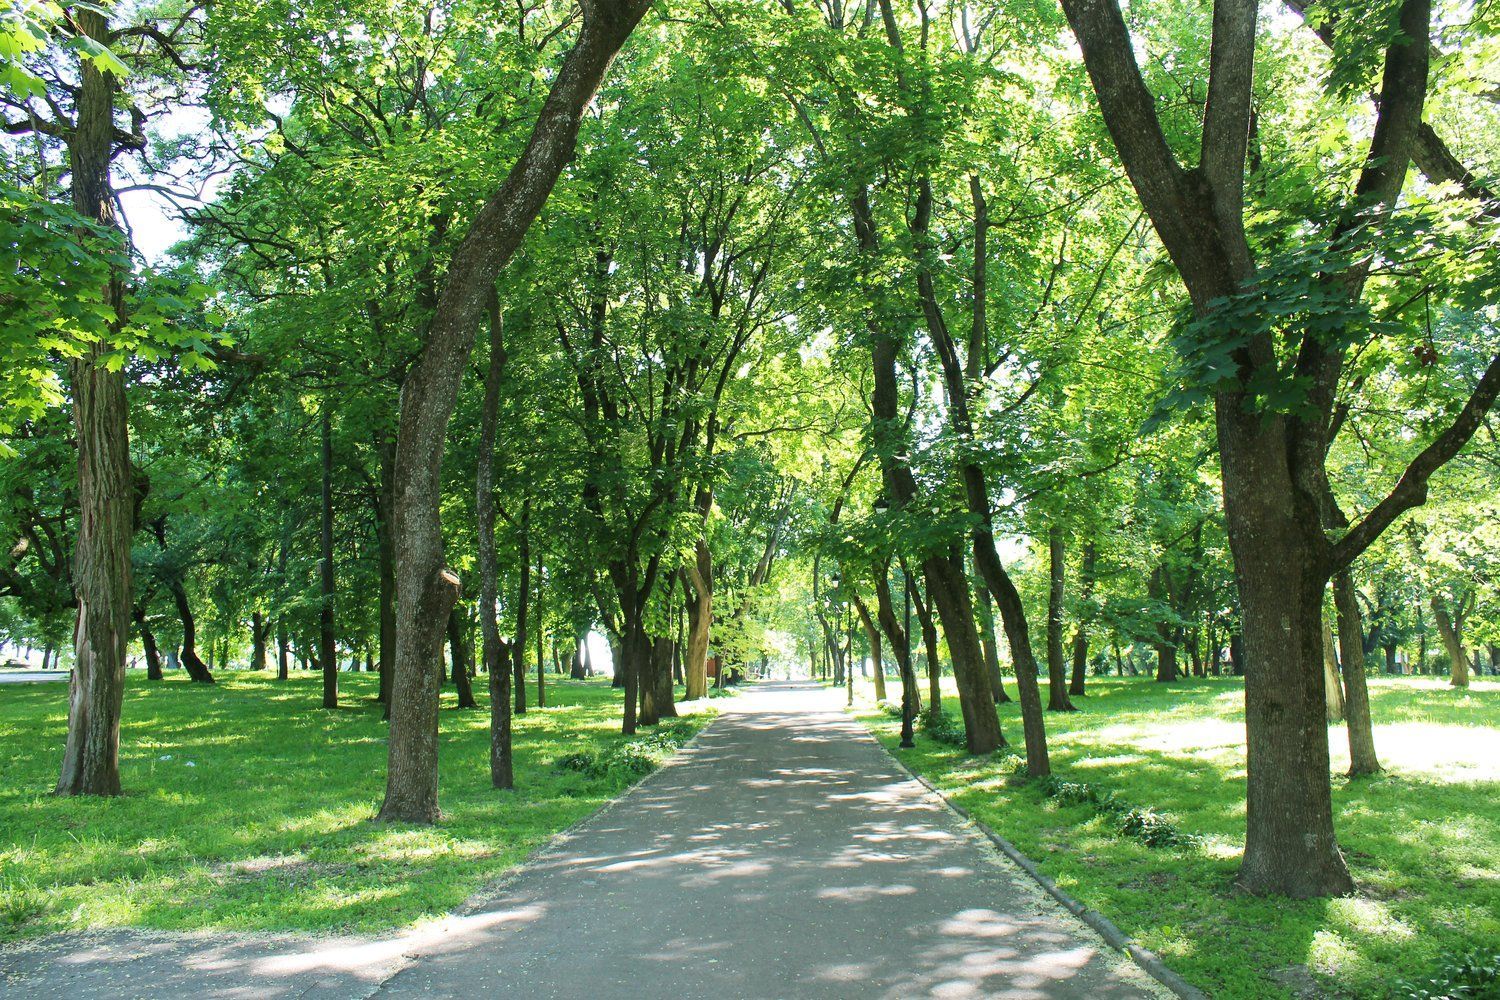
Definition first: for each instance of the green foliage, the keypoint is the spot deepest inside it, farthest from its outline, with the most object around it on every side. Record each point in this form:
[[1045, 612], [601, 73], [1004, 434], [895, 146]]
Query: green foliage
[[942, 727], [1475, 975], [633, 757]]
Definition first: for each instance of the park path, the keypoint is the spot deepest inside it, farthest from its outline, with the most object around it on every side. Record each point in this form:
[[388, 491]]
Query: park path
[[782, 854]]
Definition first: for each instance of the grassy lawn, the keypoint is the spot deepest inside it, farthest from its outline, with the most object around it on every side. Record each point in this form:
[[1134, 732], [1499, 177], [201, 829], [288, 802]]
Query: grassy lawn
[[1422, 840], [247, 808]]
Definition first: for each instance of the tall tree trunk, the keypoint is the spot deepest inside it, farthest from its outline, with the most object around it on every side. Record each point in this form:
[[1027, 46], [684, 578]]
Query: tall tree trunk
[[872, 638], [325, 536], [897, 632], [541, 640], [496, 656], [1458, 657], [283, 653], [458, 657], [101, 567], [523, 600], [1362, 758], [1333, 685], [666, 707], [385, 450], [698, 584], [148, 645], [426, 589], [196, 669], [989, 643], [1057, 667], [1081, 636], [929, 645], [258, 630]]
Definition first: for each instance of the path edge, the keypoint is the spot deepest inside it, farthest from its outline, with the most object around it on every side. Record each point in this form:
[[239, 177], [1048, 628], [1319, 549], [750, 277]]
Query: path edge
[[1147, 960]]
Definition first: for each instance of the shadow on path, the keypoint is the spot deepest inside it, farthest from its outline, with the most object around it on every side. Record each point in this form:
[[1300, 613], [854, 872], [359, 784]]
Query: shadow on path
[[782, 854]]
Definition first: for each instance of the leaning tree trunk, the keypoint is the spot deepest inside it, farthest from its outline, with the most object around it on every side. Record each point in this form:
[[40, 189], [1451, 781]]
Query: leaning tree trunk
[[1458, 657], [101, 568], [496, 656], [148, 645], [426, 589], [1057, 667], [1362, 758], [197, 670]]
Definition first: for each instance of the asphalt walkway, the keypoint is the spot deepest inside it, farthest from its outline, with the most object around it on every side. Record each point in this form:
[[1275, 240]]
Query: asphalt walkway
[[782, 854]]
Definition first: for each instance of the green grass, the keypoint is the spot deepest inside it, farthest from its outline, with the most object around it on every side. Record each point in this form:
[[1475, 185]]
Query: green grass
[[1422, 840], [247, 807]]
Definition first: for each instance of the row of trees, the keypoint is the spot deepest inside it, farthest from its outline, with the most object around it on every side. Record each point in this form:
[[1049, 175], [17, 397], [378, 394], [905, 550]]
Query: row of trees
[[801, 320]]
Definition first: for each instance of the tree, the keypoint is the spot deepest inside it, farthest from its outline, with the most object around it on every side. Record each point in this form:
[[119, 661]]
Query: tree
[[1273, 454]]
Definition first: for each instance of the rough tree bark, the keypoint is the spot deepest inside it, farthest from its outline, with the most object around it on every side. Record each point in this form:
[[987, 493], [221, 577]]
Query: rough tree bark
[[425, 588], [496, 656], [697, 580], [1273, 463], [101, 567]]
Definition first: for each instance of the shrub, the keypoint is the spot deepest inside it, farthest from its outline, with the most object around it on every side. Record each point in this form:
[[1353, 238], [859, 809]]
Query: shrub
[[1152, 830], [942, 728], [633, 758], [1475, 975]]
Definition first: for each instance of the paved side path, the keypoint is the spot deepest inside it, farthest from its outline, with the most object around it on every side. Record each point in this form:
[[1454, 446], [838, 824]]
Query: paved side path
[[782, 855]]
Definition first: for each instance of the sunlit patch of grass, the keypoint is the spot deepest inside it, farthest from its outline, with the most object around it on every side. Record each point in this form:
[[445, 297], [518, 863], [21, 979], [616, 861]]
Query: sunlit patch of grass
[[1422, 840], [247, 808]]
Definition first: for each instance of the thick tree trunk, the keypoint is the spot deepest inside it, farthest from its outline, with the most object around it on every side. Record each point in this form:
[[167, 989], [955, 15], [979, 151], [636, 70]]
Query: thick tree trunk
[[666, 707], [101, 561], [1057, 667], [1290, 847], [426, 590], [496, 656], [325, 606], [1362, 758], [283, 653]]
